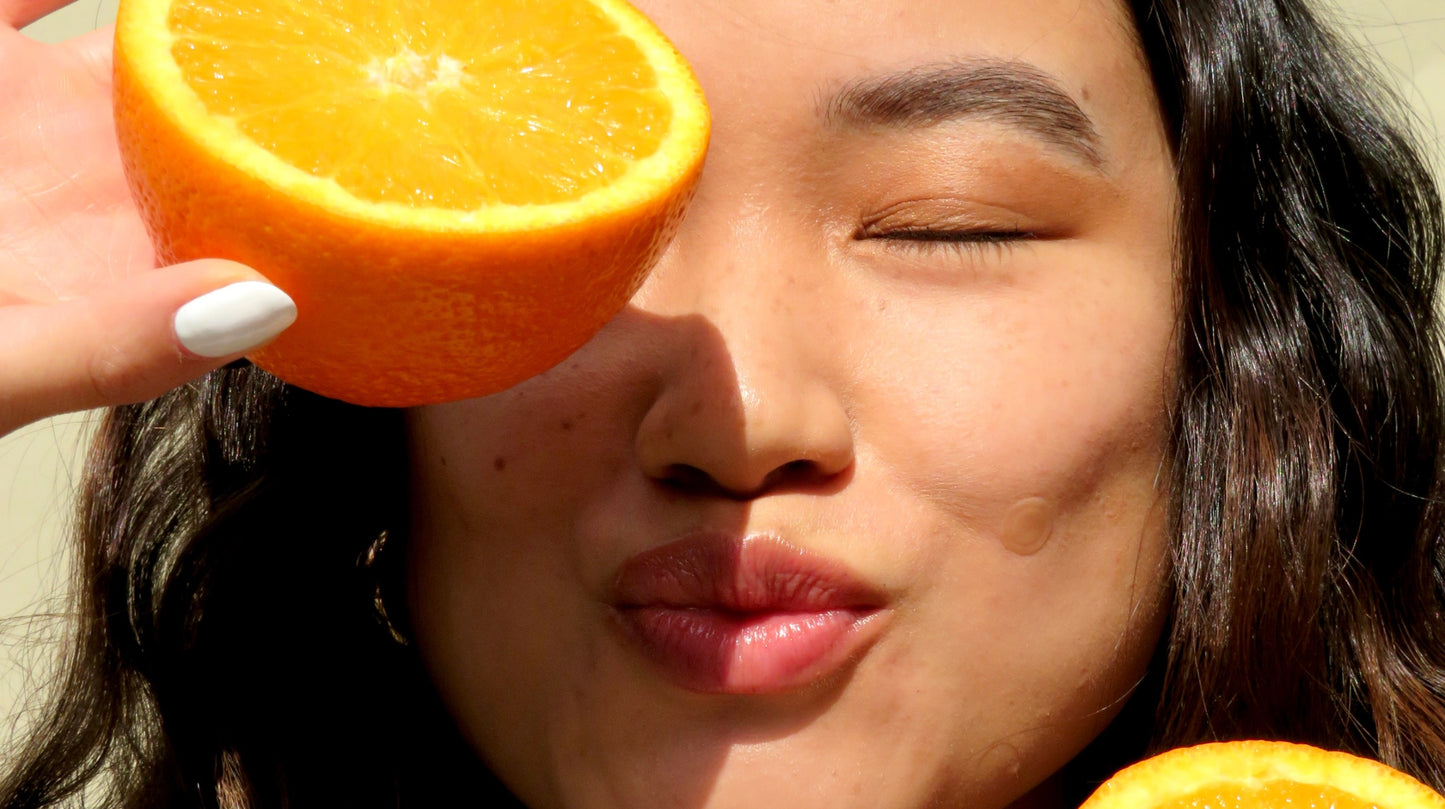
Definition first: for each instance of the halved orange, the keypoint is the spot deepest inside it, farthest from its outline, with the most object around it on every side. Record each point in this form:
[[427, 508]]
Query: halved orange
[[456, 194], [1261, 775]]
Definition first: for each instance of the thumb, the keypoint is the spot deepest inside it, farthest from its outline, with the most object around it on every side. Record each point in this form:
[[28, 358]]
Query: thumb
[[134, 340]]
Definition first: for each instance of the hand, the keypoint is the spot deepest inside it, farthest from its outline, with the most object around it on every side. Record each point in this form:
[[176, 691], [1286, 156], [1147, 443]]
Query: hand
[[85, 318]]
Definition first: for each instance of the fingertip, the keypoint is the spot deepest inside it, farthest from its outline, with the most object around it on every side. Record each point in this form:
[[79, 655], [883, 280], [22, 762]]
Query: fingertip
[[233, 319]]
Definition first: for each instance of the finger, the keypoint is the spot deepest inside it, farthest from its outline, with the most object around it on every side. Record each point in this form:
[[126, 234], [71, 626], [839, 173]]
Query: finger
[[20, 13], [134, 341]]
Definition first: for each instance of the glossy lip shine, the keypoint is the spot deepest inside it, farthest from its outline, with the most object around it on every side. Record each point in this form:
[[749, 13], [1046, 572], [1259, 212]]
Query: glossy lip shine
[[725, 615]]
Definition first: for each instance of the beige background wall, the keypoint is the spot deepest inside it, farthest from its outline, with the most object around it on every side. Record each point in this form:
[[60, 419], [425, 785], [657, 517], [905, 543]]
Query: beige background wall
[[38, 464]]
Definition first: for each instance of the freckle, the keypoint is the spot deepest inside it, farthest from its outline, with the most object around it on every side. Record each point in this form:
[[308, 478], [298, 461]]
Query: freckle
[[443, 459], [566, 425], [1027, 526], [696, 407], [1084, 93], [499, 463]]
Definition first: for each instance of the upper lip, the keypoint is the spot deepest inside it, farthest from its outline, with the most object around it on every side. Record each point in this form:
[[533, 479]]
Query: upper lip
[[751, 574]]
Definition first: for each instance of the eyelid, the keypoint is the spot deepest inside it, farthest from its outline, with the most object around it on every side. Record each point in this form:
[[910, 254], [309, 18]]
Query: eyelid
[[968, 244], [943, 236], [941, 215], [924, 232]]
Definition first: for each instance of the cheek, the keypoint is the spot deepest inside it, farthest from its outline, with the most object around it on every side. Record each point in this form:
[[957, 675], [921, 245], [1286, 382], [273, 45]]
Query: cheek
[[496, 476], [469, 456], [1021, 434], [502, 597], [1051, 384], [485, 528], [497, 484]]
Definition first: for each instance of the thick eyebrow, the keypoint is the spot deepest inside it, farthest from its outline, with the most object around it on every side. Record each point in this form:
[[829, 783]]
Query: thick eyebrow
[[1013, 93]]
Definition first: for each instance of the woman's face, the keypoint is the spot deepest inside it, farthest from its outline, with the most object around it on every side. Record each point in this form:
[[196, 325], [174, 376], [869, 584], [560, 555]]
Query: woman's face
[[858, 504]]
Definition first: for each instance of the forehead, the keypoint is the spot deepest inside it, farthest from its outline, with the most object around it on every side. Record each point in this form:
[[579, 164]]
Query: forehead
[[768, 64], [799, 39]]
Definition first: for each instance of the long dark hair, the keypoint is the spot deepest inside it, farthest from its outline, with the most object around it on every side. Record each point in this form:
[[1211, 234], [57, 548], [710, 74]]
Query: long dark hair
[[227, 653], [1309, 569]]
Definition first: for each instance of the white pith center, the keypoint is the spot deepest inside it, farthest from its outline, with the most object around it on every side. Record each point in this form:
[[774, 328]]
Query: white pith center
[[415, 73]]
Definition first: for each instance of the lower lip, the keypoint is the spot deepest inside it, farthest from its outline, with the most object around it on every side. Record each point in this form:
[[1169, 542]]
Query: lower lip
[[720, 652]]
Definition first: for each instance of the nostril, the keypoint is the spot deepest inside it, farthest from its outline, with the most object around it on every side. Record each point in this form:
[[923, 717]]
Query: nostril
[[687, 479], [799, 472], [692, 480]]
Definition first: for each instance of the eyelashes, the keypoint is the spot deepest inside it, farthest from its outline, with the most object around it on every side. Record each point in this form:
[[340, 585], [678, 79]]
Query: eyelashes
[[968, 242]]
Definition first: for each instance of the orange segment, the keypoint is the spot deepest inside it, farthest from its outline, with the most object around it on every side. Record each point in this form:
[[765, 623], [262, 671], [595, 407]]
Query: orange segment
[[457, 194], [1261, 775]]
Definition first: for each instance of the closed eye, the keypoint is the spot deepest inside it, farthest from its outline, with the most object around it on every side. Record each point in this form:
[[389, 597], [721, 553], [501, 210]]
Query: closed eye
[[948, 240]]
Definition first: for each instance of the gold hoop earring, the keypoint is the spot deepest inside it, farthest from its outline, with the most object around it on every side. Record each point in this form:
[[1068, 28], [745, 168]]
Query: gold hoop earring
[[372, 563]]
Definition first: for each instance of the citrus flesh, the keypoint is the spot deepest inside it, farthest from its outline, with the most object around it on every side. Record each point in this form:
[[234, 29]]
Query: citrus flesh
[[457, 195], [1277, 793], [1261, 775]]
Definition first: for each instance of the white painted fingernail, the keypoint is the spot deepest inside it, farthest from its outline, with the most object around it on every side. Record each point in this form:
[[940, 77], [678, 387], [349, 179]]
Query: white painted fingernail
[[234, 318]]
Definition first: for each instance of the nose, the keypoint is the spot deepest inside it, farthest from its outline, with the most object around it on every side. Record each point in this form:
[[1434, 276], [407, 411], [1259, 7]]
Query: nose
[[750, 401]]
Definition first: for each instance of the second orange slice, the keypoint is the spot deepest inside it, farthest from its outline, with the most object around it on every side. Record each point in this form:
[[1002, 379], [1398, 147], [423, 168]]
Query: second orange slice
[[1261, 775], [456, 194]]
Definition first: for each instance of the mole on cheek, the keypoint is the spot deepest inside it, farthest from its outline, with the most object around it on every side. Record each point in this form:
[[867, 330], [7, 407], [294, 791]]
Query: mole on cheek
[[499, 463], [1027, 526]]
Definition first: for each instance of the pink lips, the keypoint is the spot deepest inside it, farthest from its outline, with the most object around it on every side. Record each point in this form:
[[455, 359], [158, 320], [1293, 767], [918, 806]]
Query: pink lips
[[723, 615]]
